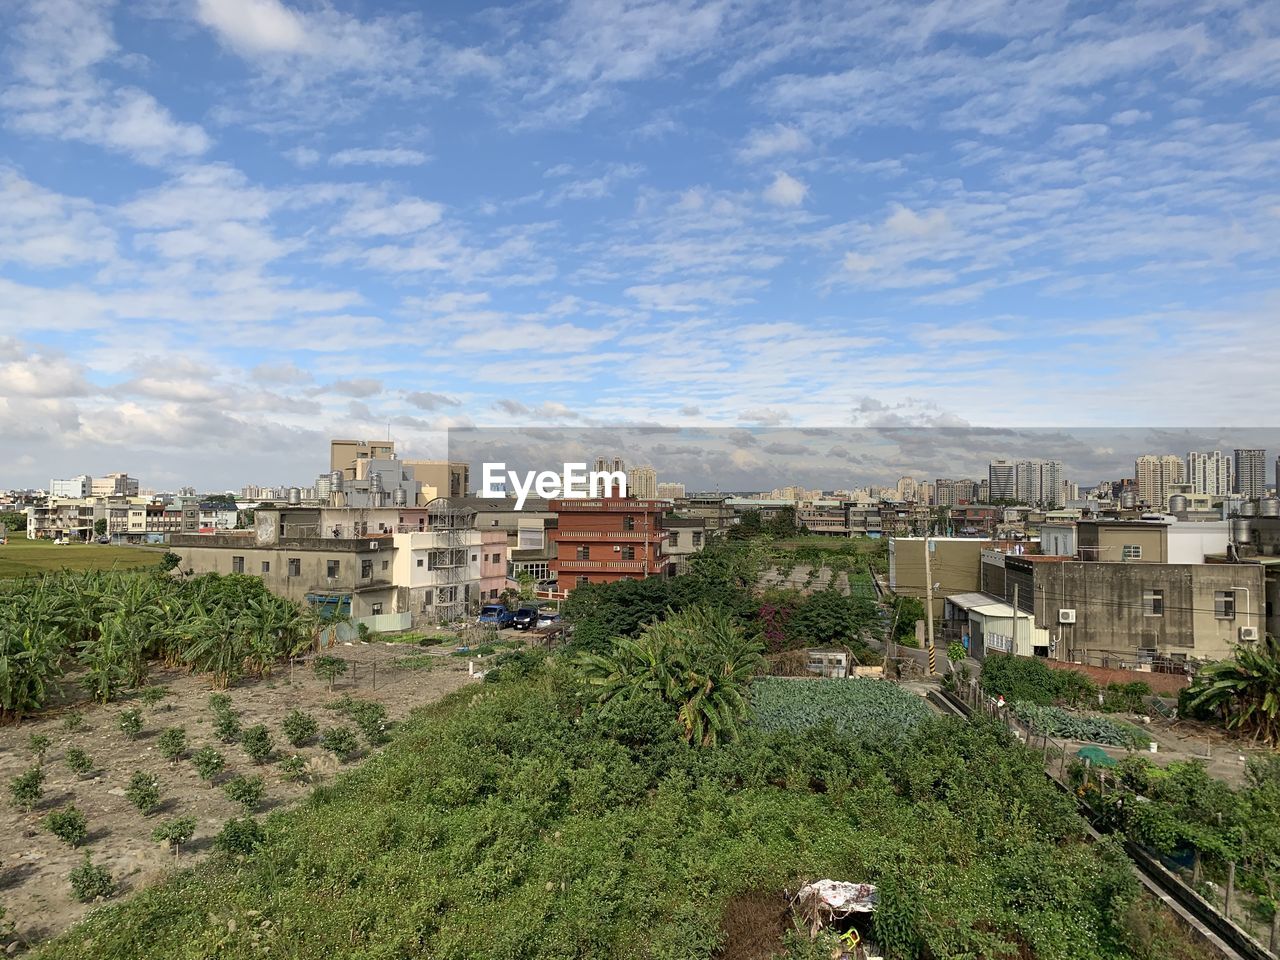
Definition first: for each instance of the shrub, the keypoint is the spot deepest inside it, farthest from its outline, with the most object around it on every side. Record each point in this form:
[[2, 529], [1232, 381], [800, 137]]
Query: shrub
[[79, 762], [39, 746], [340, 741], [246, 791], [153, 695], [175, 832], [219, 702], [144, 792], [131, 723], [90, 881], [67, 825], [208, 763], [239, 836], [1019, 678], [371, 718], [73, 722], [227, 727], [256, 743], [173, 744], [27, 788], [955, 650], [294, 767], [330, 669], [299, 727]]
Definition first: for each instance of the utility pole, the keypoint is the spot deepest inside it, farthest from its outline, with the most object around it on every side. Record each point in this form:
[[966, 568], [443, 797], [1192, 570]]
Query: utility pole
[[928, 606]]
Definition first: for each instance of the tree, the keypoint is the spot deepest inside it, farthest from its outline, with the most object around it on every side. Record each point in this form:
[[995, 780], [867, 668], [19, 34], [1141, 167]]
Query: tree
[[100, 527], [330, 669], [782, 524], [1244, 691], [697, 661]]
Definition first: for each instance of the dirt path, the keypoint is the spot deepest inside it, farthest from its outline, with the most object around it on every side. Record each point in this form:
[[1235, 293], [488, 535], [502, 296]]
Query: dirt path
[[34, 865]]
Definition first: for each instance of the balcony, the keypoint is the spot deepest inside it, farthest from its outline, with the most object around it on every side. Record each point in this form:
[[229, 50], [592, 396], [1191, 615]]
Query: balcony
[[652, 536], [634, 566]]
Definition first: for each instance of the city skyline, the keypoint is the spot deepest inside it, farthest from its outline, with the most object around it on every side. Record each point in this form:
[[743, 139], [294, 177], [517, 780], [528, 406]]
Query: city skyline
[[233, 228]]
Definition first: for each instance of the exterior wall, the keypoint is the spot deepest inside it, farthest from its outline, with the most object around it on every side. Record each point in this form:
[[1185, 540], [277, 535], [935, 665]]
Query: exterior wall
[[1108, 600], [1160, 683], [1192, 542], [1105, 541], [955, 565], [493, 564], [1058, 539], [688, 536], [592, 541], [434, 572]]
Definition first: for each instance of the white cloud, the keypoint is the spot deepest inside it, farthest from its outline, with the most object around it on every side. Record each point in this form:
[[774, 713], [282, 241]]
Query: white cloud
[[254, 26], [774, 141], [786, 191], [388, 157]]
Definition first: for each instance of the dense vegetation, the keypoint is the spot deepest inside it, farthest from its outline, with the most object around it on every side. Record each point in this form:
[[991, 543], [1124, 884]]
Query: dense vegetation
[[1244, 691], [869, 709], [523, 819], [110, 627]]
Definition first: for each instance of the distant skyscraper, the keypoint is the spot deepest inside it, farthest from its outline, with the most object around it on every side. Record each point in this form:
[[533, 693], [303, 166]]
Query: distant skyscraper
[[670, 491], [1209, 472], [1002, 480], [1154, 473], [907, 488], [642, 483], [1038, 482], [1251, 473], [604, 464]]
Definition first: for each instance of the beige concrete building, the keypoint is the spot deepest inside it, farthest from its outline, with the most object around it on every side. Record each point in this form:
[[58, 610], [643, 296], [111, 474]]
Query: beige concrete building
[[1154, 474], [642, 483], [955, 563], [343, 454], [441, 478]]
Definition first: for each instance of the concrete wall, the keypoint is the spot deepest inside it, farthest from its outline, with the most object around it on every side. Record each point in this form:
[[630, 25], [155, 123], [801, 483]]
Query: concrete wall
[[955, 563], [1167, 684]]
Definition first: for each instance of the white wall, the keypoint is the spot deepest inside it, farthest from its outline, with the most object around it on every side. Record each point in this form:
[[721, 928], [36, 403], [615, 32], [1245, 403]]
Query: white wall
[[1190, 541]]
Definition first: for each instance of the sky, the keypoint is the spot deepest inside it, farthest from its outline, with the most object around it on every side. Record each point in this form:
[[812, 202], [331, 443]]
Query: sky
[[231, 229]]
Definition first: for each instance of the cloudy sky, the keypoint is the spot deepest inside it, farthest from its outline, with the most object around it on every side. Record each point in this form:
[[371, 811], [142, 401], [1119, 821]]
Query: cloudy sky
[[230, 229]]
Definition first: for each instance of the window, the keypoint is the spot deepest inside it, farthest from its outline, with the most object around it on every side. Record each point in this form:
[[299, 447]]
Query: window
[[420, 561], [493, 594], [628, 553], [583, 581], [584, 553], [697, 538], [266, 566], [1153, 603], [628, 522], [474, 557], [366, 569], [1131, 551], [237, 564], [493, 523], [332, 567], [386, 564], [375, 609], [1224, 604], [295, 567], [675, 538]]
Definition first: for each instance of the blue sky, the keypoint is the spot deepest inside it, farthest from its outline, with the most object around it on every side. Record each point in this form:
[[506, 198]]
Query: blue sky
[[230, 229]]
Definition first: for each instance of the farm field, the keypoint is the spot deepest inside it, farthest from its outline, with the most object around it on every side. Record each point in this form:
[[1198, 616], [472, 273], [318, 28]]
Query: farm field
[[21, 557], [34, 865]]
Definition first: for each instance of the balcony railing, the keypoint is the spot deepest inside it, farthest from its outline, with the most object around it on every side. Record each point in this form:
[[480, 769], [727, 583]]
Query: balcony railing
[[569, 565], [565, 536]]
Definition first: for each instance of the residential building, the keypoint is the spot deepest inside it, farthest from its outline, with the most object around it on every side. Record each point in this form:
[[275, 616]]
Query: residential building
[[1209, 473], [493, 564], [372, 483], [1002, 481], [1251, 473], [1154, 474], [642, 483], [1151, 540], [986, 624], [908, 489], [114, 485], [670, 491], [610, 465], [954, 562], [719, 512], [218, 515], [953, 493], [604, 540], [343, 454], [529, 546], [441, 478], [80, 486], [825, 517], [685, 537], [1038, 482]]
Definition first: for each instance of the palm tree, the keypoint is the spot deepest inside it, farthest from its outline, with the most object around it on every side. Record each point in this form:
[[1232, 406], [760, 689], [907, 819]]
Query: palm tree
[[1245, 690]]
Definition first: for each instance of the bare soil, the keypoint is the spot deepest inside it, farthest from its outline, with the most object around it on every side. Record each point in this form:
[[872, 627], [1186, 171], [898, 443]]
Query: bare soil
[[35, 865]]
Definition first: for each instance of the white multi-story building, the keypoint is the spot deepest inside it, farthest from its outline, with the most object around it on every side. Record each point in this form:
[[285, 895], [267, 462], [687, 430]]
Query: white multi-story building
[[670, 491], [1209, 472], [80, 486], [1002, 480], [114, 485], [1154, 474], [642, 483], [1038, 482], [1251, 473]]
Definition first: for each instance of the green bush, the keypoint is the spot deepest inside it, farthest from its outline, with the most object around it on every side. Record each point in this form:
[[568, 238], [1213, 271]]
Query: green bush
[[73, 722], [131, 723], [144, 792], [226, 726], [340, 741], [299, 727], [1020, 678], [89, 881], [173, 744], [175, 832], [39, 745], [956, 651], [153, 695], [330, 669], [27, 788], [239, 836], [68, 825], [246, 791], [294, 767], [208, 763], [219, 702], [256, 743], [371, 718], [79, 762]]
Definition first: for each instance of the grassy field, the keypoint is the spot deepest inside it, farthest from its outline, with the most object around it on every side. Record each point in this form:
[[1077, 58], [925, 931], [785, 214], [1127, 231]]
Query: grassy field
[[21, 557]]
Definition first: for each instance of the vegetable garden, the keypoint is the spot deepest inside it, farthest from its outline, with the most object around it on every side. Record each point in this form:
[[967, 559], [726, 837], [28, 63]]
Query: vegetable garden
[[867, 709]]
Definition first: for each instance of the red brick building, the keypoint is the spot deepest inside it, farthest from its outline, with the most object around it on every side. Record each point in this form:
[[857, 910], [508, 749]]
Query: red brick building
[[608, 539]]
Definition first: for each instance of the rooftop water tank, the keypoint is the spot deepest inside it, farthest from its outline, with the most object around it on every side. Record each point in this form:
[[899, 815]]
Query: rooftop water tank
[[1269, 507], [335, 480], [295, 495], [400, 498], [1177, 503], [1241, 531]]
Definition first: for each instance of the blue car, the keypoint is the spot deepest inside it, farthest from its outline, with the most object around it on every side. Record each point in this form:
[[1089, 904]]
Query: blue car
[[497, 615]]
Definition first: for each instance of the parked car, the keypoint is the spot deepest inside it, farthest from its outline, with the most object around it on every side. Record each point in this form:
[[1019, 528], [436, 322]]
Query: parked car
[[548, 619], [495, 614], [525, 618], [104, 539]]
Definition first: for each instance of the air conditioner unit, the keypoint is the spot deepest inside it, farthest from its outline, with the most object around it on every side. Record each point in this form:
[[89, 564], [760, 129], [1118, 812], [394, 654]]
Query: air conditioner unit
[[373, 544], [617, 549], [1248, 633], [1066, 616]]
